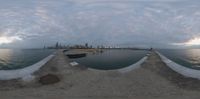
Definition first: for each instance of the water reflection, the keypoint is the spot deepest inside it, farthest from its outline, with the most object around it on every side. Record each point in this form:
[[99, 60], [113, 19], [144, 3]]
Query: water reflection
[[112, 59], [193, 56], [188, 58], [15, 59], [5, 56]]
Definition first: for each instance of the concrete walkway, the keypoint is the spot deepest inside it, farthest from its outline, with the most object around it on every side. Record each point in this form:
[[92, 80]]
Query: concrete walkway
[[145, 82]]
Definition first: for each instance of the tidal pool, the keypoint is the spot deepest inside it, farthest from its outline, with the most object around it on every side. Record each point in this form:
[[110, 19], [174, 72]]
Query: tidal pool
[[112, 59]]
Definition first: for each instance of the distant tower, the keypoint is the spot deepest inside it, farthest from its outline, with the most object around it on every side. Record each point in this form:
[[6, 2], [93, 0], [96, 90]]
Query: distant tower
[[57, 45], [86, 45], [98, 47]]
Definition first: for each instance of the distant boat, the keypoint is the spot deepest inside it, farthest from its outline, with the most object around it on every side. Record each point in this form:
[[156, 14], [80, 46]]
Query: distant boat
[[65, 50], [76, 55]]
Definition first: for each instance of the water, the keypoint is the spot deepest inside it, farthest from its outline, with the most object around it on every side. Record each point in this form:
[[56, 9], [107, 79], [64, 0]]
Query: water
[[189, 58], [112, 59], [16, 59]]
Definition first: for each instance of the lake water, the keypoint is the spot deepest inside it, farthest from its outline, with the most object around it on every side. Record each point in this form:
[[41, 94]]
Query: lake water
[[112, 59], [189, 58], [15, 59]]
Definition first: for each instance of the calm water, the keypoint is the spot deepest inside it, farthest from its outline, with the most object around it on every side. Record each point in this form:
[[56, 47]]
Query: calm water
[[188, 58], [15, 59], [112, 59]]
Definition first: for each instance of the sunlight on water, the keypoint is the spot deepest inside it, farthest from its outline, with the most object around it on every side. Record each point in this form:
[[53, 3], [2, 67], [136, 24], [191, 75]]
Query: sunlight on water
[[193, 56], [5, 56], [14, 59], [189, 58]]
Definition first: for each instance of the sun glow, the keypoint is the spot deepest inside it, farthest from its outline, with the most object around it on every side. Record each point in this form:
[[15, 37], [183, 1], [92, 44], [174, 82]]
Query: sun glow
[[194, 41], [7, 40], [191, 42]]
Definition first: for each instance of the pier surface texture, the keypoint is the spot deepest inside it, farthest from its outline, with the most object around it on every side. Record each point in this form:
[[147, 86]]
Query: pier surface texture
[[153, 80]]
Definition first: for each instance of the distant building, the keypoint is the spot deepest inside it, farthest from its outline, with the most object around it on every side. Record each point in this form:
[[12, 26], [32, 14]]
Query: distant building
[[86, 45]]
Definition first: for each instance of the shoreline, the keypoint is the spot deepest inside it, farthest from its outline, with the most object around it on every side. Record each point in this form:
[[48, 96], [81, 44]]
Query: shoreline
[[187, 72], [24, 73], [153, 79], [175, 77]]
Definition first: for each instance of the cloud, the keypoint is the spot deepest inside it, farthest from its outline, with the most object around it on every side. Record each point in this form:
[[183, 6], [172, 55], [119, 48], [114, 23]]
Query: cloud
[[97, 1], [128, 22], [7, 40]]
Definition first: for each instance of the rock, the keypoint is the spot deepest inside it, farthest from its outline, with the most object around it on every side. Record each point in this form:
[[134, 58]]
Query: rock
[[28, 78], [49, 79]]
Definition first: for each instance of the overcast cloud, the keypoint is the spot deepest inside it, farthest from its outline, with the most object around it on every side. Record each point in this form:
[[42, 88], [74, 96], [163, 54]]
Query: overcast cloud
[[141, 23]]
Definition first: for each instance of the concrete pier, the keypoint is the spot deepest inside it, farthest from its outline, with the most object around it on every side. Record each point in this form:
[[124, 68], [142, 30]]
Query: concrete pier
[[153, 80]]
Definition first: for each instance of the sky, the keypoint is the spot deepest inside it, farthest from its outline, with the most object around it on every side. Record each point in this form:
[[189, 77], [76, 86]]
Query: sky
[[137, 23]]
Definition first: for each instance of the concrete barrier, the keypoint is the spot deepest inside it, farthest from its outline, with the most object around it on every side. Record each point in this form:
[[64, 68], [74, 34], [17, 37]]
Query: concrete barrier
[[125, 69], [24, 73], [133, 66], [187, 72]]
